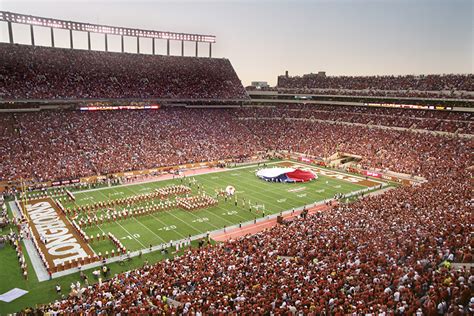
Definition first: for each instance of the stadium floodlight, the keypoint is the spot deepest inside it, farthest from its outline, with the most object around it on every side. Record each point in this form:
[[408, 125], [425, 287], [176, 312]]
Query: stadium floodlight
[[104, 29]]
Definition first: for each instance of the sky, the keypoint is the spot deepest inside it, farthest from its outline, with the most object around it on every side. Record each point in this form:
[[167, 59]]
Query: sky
[[265, 38]]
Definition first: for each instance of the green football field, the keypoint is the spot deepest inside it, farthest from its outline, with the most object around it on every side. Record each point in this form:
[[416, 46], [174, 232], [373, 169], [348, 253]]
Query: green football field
[[175, 224]]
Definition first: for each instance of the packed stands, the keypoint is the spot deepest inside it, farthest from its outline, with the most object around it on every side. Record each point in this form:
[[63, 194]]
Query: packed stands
[[461, 122], [71, 144], [423, 86], [32, 72], [384, 254]]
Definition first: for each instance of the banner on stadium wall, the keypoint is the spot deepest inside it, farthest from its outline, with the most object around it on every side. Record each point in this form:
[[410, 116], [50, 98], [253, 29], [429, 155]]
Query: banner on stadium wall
[[371, 174], [305, 159], [311, 160], [379, 175], [92, 107], [410, 106]]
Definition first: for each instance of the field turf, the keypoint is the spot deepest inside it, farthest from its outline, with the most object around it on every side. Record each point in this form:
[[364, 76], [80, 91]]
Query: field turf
[[162, 227], [174, 224]]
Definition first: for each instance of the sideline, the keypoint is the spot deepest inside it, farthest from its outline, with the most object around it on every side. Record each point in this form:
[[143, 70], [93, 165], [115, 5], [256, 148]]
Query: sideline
[[35, 259]]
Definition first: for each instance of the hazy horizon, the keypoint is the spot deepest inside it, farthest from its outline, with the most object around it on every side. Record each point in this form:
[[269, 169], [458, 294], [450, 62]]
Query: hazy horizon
[[263, 39]]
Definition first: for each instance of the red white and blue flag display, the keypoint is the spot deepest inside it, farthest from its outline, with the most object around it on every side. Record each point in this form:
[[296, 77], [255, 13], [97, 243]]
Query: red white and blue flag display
[[287, 175]]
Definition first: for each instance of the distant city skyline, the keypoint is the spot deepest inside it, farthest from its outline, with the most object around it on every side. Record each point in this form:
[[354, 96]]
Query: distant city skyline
[[263, 39]]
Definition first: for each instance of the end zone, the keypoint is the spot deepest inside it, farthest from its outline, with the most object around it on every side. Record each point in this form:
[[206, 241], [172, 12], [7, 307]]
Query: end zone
[[59, 245]]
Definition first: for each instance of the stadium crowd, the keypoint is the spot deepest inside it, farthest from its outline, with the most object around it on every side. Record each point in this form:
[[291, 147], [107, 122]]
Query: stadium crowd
[[394, 253], [73, 144], [372, 93], [34, 72], [398, 253], [390, 254], [70, 144], [445, 121], [423, 86]]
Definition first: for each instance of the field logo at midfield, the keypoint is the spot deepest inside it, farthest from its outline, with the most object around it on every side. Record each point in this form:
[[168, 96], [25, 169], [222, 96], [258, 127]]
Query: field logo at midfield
[[61, 243]]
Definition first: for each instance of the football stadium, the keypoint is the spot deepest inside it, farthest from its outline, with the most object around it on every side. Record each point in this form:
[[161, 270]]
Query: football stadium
[[144, 178]]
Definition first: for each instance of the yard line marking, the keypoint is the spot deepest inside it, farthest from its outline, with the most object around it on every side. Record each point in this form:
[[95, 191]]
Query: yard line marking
[[147, 228], [264, 195], [196, 175], [295, 200], [190, 213], [156, 218], [130, 234], [258, 194], [179, 219], [124, 227], [160, 221], [99, 228], [238, 215], [170, 212]]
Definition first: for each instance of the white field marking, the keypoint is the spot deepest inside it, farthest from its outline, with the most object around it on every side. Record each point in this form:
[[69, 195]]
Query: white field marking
[[214, 177], [337, 186], [235, 174], [296, 189], [239, 191], [100, 229], [296, 200], [301, 195], [221, 208], [244, 167], [275, 205], [171, 213], [319, 191], [146, 227], [270, 198], [168, 228], [86, 198], [124, 227], [138, 241], [223, 218], [179, 219], [131, 237], [190, 213], [200, 220], [116, 193], [226, 170], [230, 213], [145, 189], [217, 214], [281, 200], [159, 180], [258, 206]]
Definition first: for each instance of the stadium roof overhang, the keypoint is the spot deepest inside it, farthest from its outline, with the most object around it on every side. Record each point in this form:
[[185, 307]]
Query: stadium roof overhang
[[104, 29]]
